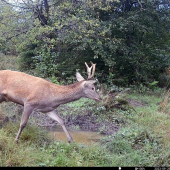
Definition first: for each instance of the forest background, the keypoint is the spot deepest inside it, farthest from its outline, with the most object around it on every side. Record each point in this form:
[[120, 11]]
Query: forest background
[[128, 39]]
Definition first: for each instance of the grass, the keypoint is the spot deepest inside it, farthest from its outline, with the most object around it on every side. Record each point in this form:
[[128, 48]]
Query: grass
[[153, 119], [24, 154], [9, 62], [36, 149], [143, 138]]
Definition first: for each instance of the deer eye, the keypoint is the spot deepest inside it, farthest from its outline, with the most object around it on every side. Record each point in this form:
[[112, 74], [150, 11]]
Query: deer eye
[[92, 88]]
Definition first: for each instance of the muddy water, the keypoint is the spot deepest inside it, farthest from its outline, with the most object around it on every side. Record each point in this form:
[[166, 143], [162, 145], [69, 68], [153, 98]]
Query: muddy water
[[81, 137]]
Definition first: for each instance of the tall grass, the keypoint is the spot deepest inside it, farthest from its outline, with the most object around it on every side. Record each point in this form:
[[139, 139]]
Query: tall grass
[[36, 148], [143, 138], [26, 153], [9, 62]]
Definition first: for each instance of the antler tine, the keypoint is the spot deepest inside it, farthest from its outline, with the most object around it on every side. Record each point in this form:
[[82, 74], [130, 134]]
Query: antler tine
[[94, 67], [89, 69]]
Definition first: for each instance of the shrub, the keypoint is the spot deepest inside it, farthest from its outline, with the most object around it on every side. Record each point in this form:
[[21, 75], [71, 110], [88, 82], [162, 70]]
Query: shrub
[[27, 53]]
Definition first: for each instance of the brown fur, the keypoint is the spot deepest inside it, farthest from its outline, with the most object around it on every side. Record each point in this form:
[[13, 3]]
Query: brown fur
[[35, 93]]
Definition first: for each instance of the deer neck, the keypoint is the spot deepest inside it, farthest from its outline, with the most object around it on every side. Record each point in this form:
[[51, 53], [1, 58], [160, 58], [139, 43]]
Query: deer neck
[[69, 93]]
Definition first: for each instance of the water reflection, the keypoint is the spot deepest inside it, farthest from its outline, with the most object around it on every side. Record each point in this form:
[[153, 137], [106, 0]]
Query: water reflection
[[81, 137]]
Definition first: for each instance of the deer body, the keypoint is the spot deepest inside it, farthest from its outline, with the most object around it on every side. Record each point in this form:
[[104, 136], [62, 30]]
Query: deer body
[[35, 93]]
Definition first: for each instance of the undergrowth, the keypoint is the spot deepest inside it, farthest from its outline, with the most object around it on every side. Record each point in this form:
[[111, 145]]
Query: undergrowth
[[8, 62], [143, 138], [36, 148], [23, 154]]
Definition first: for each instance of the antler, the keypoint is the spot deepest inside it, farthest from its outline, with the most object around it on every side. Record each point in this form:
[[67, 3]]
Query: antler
[[90, 76]]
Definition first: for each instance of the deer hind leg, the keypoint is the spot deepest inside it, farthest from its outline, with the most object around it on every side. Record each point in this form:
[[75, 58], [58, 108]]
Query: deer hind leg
[[24, 119], [54, 116]]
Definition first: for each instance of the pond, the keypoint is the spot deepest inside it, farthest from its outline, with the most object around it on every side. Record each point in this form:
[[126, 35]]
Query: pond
[[81, 137]]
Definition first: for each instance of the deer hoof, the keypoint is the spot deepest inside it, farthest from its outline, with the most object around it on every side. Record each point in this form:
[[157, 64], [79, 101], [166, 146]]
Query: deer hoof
[[70, 140], [16, 141]]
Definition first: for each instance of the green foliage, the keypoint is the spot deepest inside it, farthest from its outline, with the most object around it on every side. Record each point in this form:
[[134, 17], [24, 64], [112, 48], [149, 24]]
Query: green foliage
[[74, 155], [141, 139], [26, 56], [139, 52], [38, 151], [9, 62], [54, 80], [128, 40], [45, 63], [153, 85]]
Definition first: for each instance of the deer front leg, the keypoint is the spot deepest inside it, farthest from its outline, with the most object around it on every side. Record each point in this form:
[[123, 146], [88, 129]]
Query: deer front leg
[[27, 111], [54, 116]]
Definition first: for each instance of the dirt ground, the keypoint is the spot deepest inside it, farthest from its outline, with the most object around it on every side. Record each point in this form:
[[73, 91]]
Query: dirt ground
[[84, 122]]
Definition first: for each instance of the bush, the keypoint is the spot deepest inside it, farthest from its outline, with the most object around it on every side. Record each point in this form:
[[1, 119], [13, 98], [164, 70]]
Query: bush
[[45, 63], [27, 53]]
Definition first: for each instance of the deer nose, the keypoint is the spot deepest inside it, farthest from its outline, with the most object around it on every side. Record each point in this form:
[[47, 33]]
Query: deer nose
[[99, 99]]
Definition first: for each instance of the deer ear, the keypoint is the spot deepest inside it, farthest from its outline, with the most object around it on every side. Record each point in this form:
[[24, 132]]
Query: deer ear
[[79, 77]]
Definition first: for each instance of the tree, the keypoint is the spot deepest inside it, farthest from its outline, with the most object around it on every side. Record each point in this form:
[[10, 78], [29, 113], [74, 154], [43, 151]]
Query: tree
[[144, 51], [127, 38]]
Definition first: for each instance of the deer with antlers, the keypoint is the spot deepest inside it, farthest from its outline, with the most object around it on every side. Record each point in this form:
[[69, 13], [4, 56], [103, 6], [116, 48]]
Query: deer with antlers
[[38, 94]]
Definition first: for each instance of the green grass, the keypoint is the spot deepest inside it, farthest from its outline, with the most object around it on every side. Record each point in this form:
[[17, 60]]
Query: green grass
[[23, 154], [152, 119], [9, 62], [143, 138], [35, 148]]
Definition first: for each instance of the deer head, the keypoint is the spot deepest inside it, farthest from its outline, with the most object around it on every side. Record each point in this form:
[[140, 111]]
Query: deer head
[[89, 90]]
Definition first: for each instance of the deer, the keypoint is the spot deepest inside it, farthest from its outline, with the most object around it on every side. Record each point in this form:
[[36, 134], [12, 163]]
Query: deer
[[38, 94]]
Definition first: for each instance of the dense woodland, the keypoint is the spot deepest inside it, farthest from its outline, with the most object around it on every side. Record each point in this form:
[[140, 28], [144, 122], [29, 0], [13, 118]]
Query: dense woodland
[[128, 39]]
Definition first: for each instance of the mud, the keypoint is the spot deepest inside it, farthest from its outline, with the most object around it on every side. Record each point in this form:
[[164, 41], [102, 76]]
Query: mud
[[82, 122]]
